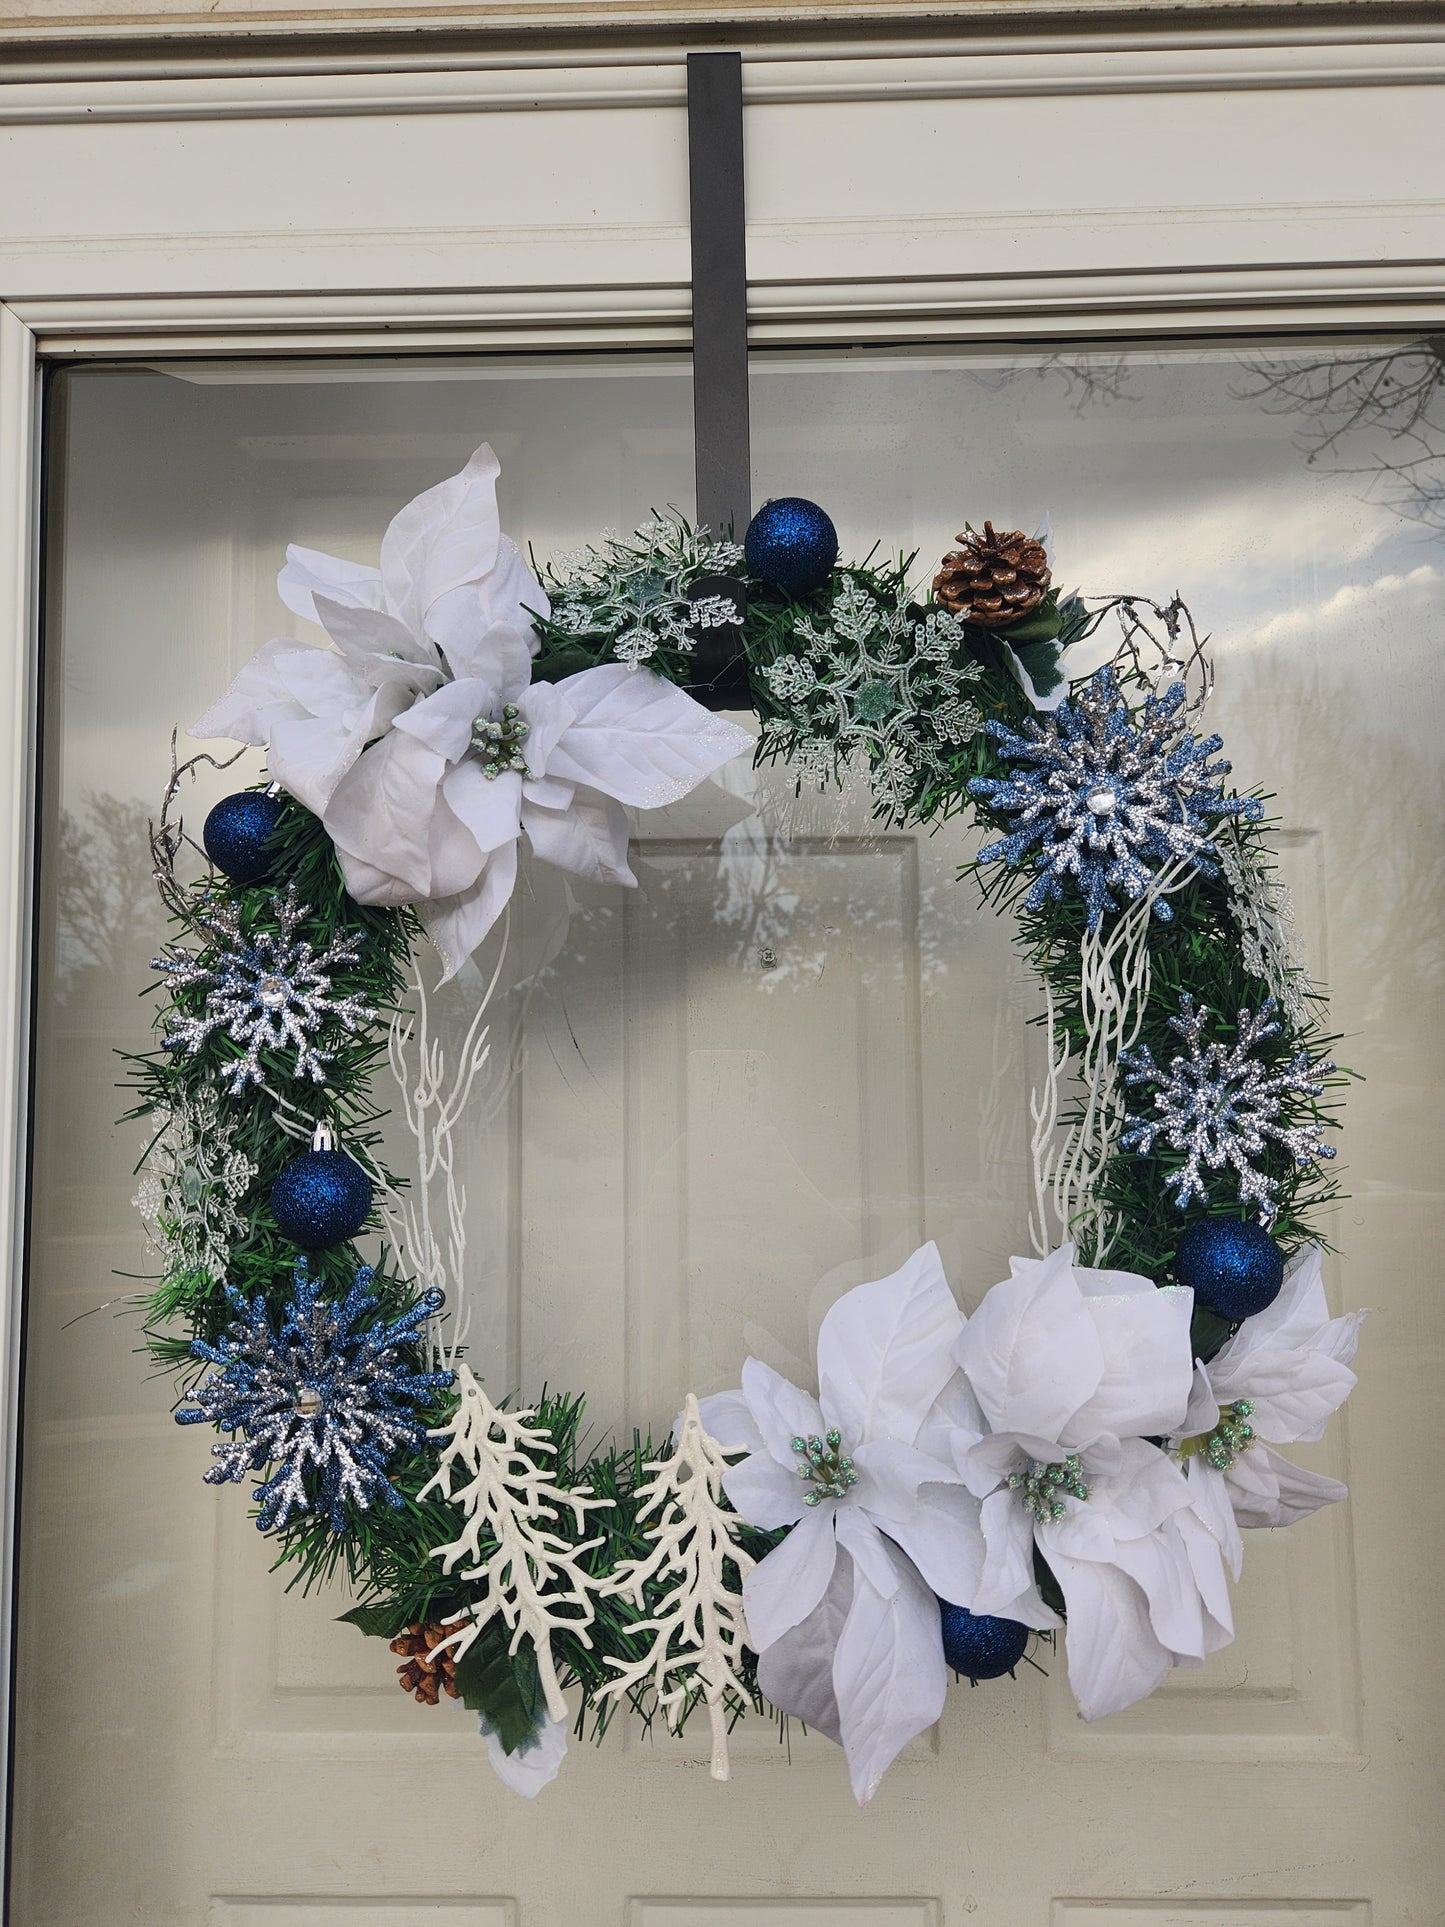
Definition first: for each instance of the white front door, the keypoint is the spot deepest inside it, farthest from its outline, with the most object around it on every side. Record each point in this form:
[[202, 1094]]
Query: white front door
[[797, 1050]]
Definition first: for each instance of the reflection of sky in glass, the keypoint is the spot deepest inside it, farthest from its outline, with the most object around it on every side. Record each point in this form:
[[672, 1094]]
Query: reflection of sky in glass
[[1160, 471]]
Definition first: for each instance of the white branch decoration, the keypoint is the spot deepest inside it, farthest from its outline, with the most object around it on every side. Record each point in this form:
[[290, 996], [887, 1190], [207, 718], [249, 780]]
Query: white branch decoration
[[531, 1577], [1114, 977], [698, 1630], [432, 1102]]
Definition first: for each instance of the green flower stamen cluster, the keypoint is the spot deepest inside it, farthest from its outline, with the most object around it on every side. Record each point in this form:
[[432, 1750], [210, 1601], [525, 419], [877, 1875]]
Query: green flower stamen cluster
[[1043, 1487], [500, 742], [824, 1462], [1229, 1440]]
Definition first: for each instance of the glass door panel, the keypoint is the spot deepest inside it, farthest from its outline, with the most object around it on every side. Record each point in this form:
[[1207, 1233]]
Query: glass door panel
[[799, 1048]]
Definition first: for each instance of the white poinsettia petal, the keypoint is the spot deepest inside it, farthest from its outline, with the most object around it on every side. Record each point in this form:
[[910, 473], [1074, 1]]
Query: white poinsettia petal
[[953, 1423], [262, 690], [639, 738], [783, 1413], [588, 837], [448, 536], [1209, 1501], [985, 1462], [535, 1764], [890, 1473], [1202, 1412], [458, 925], [381, 810], [444, 720], [489, 806], [889, 1675], [1113, 1656], [1031, 1352], [1160, 1568], [796, 1671], [782, 1589], [1267, 1489], [549, 712], [1206, 1558], [1007, 1587], [865, 1546], [726, 1417], [374, 637], [765, 1493], [943, 1538], [473, 622], [366, 884], [1294, 1394], [884, 1351], [1148, 1367], [307, 572]]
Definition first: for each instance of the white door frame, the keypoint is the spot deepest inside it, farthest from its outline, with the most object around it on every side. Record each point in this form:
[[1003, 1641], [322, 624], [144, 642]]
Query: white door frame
[[121, 277]]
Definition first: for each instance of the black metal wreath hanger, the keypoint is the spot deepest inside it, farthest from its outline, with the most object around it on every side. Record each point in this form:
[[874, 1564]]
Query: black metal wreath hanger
[[721, 432]]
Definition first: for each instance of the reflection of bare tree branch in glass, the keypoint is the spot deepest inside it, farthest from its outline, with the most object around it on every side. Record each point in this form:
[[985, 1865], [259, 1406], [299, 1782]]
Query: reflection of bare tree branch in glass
[[101, 916], [1378, 412]]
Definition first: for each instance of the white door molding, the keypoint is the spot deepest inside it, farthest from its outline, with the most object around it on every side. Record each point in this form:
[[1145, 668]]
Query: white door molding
[[19, 692]]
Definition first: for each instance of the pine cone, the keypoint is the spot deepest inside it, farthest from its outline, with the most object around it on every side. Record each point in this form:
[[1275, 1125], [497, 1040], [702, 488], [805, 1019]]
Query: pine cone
[[993, 579], [422, 1676]]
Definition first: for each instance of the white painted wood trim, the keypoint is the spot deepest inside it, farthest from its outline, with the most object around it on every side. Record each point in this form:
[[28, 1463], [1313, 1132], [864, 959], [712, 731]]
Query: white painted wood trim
[[19, 699], [1365, 295], [770, 78]]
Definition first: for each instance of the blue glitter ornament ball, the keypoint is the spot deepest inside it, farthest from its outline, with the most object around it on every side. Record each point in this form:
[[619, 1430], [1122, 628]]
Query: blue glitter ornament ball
[[1231, 1266], [238, 832], [979, 1647], [321, 1198], [792, 544]]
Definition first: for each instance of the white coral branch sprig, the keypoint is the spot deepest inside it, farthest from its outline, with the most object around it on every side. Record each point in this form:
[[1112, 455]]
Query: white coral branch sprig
[[529, 1576], [433, 1099], [697, 1633], [1114, 981]]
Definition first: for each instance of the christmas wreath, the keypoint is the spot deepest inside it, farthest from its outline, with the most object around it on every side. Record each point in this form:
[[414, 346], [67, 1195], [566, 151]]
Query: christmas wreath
[[1080, 1452]]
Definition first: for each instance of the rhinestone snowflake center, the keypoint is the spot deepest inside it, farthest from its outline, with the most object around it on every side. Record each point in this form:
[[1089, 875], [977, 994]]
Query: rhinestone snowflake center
[[499, 741], [1102, 801], [1230, 1439], [1043, 1486], [825, 1465], [273, 991]]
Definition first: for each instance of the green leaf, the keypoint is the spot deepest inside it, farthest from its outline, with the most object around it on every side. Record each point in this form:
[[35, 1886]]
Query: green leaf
[[503, 1687], [1039, 625], [1041, 661], [377, 1622], [1208, 1332]]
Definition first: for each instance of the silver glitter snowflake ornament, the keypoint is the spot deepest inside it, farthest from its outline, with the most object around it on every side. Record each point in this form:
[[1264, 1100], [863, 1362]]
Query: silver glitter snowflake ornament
[[1106, 798], [874, 680], [268, 992], [1221, 1105], [326, 1399]]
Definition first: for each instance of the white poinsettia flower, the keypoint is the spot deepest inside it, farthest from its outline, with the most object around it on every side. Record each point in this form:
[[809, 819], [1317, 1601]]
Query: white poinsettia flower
[[1075, 1372], [843, 1614], [1276, 1382], [420, 739]]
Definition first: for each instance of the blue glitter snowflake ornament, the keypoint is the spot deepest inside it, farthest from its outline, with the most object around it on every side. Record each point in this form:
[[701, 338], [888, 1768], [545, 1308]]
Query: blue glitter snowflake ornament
[[326, 1400], [1220, 1106], [1108, 797]]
